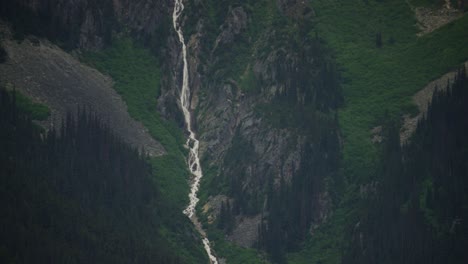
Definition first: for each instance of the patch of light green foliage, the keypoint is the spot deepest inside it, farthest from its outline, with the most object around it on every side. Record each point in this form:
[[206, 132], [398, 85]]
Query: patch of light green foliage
[[376, 81], [136, 72]]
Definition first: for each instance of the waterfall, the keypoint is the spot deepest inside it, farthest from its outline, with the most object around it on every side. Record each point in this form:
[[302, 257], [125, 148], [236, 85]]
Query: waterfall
[[192, 143]]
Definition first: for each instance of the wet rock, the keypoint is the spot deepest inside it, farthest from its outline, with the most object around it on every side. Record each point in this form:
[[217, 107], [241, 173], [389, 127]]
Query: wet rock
[[235, 22], [246, 232]]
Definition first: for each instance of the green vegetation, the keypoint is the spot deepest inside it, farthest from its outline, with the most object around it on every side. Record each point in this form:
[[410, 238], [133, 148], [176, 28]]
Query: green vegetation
[[325, 245], [377, 80], [301, 65], [234, 254], [136, 73], [223, 248], [414, 214], [234, 60], [425, 195], [382, 64], [77, 195], [247, 81], [37, 111], [382, 80]]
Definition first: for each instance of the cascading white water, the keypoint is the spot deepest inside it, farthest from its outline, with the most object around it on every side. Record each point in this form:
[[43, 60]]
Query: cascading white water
[[192, 142]]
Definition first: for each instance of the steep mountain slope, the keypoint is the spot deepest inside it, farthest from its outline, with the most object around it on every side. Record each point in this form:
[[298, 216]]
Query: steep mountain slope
[[44, 72], [246, 54], [288, 100], [421, 199], [266, 91], [136, 71], [378, 81]]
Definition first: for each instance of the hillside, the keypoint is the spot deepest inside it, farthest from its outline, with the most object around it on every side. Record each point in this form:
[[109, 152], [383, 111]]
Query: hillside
[[41, 70], [422, 189], [320, 123], [124, 97], [382, 61], [78, 194]]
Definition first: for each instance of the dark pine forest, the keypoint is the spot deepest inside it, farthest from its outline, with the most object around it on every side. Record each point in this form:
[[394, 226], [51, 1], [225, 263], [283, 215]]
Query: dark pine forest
[[74, 194], [417, 212]]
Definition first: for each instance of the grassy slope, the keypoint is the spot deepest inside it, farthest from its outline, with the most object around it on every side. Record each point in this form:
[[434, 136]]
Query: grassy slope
[[137, 78], [37, 111], [376, 81]]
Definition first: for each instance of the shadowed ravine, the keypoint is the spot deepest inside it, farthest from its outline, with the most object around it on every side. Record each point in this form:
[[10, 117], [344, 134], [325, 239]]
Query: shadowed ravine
[[192, 143]]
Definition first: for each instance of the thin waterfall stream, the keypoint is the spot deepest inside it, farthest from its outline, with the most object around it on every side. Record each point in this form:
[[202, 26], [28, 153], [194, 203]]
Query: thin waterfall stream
[[192, 143]]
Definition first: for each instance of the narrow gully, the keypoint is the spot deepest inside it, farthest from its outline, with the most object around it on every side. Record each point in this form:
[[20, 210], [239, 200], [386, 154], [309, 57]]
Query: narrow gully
[[192, 143]]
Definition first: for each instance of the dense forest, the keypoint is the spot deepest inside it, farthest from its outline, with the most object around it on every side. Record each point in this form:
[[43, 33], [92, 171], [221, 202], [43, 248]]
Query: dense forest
[[418, 212], [75, 194], [66, 32], [293, 208]]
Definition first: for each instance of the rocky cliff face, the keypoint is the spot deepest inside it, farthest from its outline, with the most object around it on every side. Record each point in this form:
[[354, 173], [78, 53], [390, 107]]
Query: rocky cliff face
[[244, 149]]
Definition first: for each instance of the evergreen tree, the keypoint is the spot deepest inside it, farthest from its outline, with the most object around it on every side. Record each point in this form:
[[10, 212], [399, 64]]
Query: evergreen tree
[[77, 195], [416, 214], [378, 40]]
